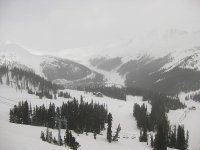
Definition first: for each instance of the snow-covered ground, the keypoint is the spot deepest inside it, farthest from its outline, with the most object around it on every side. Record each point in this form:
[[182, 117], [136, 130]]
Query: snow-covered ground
[[187, 59], [190, 120], [25, 137], [111, 77]]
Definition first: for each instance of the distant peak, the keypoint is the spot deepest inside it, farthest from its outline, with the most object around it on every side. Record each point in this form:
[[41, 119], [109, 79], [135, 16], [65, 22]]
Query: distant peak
[[12, 47]]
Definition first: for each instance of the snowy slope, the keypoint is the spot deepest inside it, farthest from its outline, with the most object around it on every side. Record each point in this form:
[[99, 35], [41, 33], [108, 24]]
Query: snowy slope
[[157, 43], [15, 135], [49, 67], [111, 77], [190, 120], [17, 56], [188, 59]]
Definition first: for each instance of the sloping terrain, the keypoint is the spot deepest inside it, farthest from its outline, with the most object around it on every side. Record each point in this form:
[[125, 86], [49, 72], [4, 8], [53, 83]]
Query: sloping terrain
[[188, 118], [170, 74], [13, 135], [52, 68], [105, 63]]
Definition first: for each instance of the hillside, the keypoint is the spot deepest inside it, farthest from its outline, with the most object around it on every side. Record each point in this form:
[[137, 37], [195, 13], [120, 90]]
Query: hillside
[[170, 74], [50, 67], [122, 113]]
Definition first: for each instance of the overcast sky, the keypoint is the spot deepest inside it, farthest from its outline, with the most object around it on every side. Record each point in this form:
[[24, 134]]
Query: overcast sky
[[52, 25]]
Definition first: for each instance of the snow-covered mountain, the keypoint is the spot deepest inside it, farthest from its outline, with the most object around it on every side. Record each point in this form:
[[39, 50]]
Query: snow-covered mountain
[[50, 67], [168, 62], [171, 73]]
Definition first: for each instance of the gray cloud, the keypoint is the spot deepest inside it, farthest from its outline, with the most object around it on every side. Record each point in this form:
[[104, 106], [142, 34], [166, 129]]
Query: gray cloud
[[51, 25]]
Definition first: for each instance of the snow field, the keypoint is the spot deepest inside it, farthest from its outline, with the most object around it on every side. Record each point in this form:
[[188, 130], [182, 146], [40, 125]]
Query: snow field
[[190, 120], [26, 137]]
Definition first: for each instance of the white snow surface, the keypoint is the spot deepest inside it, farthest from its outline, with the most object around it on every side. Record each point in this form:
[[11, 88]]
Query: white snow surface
[[111, 77], [188, 59], [190, 120], [26, 137]]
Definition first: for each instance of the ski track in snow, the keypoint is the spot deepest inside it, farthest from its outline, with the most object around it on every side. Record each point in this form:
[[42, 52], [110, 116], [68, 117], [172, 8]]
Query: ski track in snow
[[190, 120]]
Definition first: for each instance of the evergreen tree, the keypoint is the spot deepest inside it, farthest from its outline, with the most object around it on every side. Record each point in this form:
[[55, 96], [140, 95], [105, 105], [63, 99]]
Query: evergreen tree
[[143, 135], [83, 116], [117, 133], [26, 113], [186, 141], [181, 140], [152, 141], [161, 137], [42, 136], [109, 129], [1, 81], [7, 80], [70, 141], [172, 137], [51, 116]]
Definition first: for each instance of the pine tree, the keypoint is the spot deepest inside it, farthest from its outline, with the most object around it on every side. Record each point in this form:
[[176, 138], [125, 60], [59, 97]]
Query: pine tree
[[181, 140], [109, 129], [172, 138], [186, 141], [26, 113], [7, 80], [1, 81], [67, 138], [117, 133], [11, 119], [95, 135], [42, 136], [143, 135], [152, 141], [70, 141], [161, 137]]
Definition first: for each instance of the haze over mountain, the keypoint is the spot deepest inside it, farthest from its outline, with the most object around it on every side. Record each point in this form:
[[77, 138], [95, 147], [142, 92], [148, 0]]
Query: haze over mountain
[[169, 73], [49, 67], [103, 74], [155, 43], [49, 26]]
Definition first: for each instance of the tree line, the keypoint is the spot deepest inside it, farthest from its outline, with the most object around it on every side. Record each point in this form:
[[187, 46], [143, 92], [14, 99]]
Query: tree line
[[64, 94], [112, 91], [195, 97], [28, 80], [156, 121], [69, 139], [169, 103], [81, 116]]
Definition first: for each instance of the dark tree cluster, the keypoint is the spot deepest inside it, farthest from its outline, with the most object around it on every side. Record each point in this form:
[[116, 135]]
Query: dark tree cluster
[[170, 103], [112, 91], [143, 135], [161, 136], [83, 116], [141, 116], [28, 80], [64, 94], [178, 138], [168, 137], [157, 121], [109, 129], [3, 72], [147, 120], [21, 113], [31, 79], [195, 97], [70, 140]]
